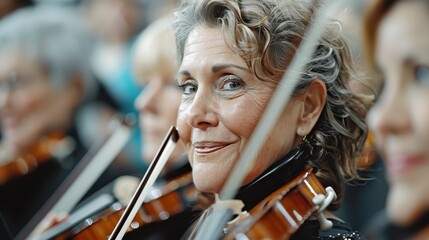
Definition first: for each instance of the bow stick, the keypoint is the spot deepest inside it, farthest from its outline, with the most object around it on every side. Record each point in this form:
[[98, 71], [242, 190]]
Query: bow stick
[[146, 183]]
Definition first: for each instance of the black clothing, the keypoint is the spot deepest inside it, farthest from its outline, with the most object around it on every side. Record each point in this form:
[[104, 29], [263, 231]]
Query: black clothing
[[363, 198], [380, 228], [310, 230], [281, 172]]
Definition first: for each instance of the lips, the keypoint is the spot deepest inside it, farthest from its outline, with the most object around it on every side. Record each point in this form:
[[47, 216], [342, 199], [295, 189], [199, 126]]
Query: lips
[[207, 147], [399, 164]]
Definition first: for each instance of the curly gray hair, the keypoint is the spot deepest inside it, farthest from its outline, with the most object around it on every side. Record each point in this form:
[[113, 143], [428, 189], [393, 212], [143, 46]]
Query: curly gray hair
[[266, 34]]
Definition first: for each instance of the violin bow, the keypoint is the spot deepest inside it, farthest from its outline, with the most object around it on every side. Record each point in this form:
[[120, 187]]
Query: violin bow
[[215, 222], [146, 183], [80, 179]]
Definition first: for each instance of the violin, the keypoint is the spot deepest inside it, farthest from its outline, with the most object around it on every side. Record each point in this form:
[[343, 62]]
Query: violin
[[39, 153], [280, 214], [162, 203], [80, 178]]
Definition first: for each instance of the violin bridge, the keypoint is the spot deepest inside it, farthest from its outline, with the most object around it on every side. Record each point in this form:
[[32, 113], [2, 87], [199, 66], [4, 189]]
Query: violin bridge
[[236, 207]]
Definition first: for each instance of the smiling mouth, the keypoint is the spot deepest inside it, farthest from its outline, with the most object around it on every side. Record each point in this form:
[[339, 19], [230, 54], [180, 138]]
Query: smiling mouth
[[403, 163], [209, 147]]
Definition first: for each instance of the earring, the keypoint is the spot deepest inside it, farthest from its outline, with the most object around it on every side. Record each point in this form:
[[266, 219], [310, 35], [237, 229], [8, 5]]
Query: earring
[[303, 132]]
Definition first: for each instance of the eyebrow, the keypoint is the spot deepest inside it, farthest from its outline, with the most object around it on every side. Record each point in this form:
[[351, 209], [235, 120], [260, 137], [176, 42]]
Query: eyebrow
[[216, 68], [219, 67], [184, 72]]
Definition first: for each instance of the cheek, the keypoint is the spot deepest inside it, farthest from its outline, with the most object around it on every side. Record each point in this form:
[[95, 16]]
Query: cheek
[[283, 136], [279, 142], [421, 123], [242, 116], [183, 127], [420, 116], [28, 102], [185, 132]]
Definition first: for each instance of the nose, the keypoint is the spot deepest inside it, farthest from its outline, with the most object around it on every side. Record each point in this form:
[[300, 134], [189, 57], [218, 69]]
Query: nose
[[146, 100], [201, 113], [390, 115]]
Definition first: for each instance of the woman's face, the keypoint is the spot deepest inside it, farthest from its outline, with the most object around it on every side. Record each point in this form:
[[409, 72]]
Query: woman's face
[[30, 106], [400, 118], [222, 101], [121, 22], [157, 104]]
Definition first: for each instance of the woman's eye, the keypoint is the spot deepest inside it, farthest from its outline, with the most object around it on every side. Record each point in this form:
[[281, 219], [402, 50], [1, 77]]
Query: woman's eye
[[232, 83], [188, 88], [422, 74]]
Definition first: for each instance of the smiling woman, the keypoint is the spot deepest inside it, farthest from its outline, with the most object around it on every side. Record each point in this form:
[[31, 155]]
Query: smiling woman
[[398, 47], [220, 91], [232, 56]]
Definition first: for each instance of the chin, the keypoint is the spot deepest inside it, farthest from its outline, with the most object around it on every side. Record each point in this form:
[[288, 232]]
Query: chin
[[207, 185], [403, 209], [205, 181], [399, 218]]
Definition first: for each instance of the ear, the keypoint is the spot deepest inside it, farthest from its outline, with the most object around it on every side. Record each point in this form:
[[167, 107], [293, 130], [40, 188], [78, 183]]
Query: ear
[[313, 99]]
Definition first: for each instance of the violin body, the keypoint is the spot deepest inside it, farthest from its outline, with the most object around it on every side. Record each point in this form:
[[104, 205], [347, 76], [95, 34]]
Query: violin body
[[101, 225], [19, 167], [169, 200], [41, 152], [281, 214], [173, 198]]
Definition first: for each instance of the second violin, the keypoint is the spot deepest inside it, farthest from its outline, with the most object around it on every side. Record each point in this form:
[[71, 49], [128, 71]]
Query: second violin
[[163, 202], [55, 146]]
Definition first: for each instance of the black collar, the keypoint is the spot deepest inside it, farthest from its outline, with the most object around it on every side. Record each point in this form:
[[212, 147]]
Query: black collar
[[277, 175]]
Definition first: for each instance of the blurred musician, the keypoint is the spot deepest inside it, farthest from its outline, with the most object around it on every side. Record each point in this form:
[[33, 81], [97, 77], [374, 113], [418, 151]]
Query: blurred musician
[[155, 65], [397, 40], [44, 79]]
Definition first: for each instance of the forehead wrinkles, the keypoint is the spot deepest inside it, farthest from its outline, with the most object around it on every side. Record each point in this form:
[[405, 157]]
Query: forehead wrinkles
[[201, 41], [207, 46], [206, 38]]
